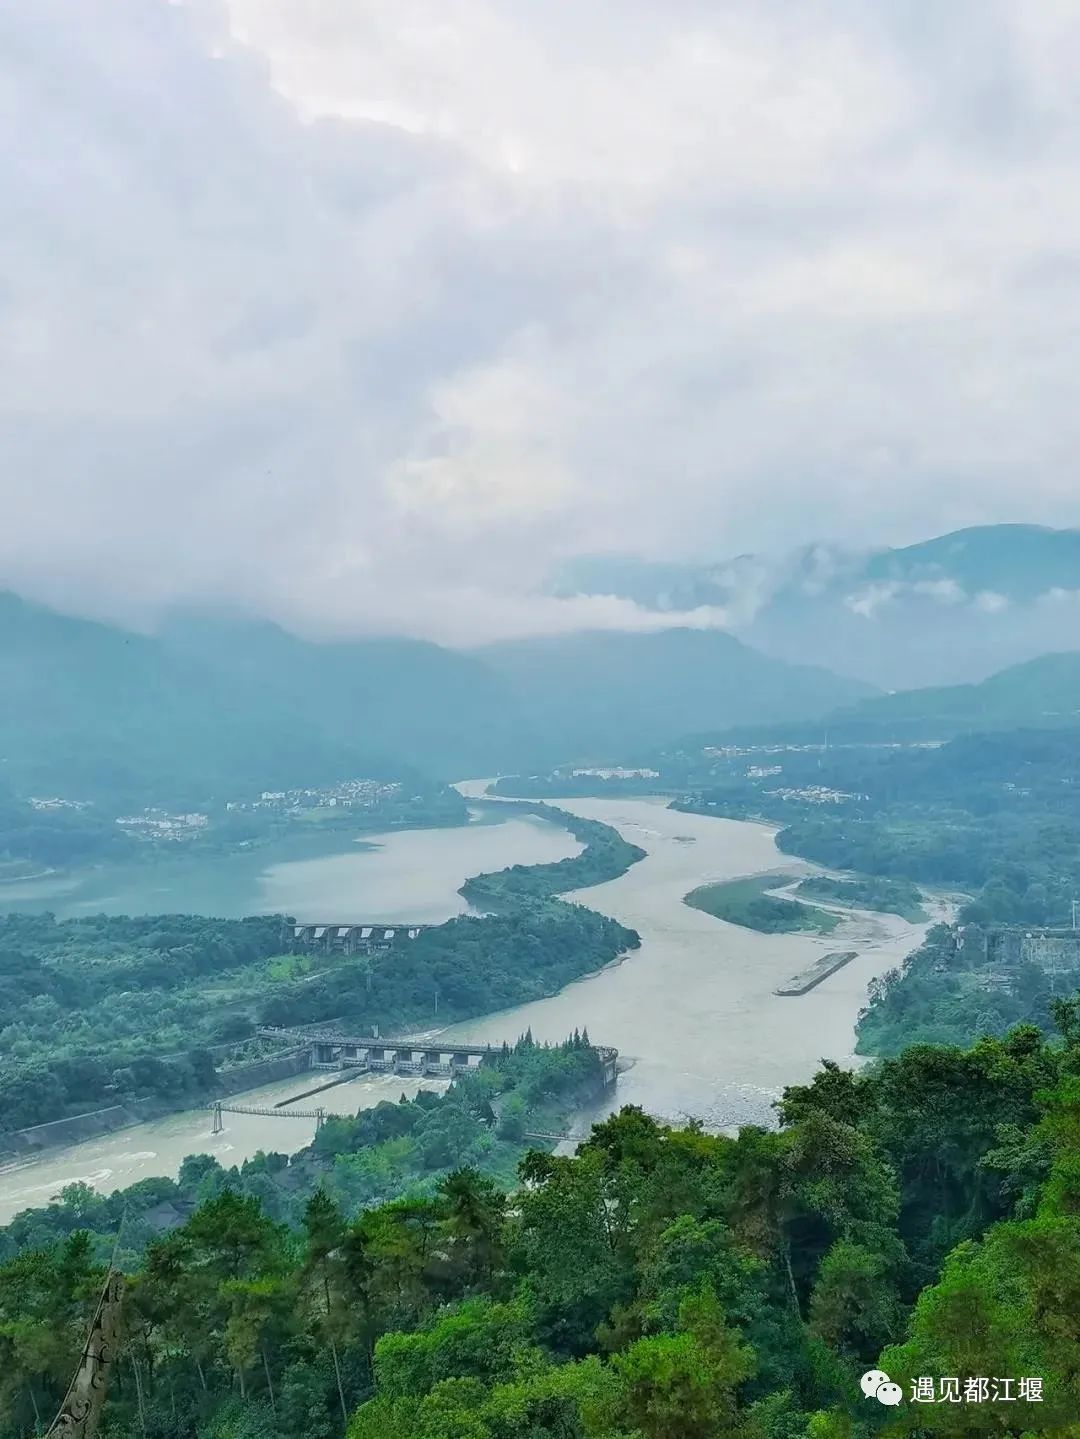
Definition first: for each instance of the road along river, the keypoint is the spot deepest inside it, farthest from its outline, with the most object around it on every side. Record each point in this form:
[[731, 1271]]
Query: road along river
[[692, 1011]]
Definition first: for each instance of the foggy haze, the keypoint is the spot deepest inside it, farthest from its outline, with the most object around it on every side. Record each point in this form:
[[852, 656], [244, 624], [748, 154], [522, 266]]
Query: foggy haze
[[368, 318]]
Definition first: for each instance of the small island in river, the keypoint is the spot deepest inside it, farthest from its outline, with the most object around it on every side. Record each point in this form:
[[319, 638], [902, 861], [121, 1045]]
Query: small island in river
[[748, 902]]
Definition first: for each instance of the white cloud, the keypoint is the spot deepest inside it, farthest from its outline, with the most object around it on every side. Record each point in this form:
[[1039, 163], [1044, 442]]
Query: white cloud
[[362, 316], [942, 591], [868, 601], [990, 602]]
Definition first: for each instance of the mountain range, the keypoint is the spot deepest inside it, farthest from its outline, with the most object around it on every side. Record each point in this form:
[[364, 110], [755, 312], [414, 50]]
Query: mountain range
[[951, 609], [1039, 693], [211, 708], [593, 695]]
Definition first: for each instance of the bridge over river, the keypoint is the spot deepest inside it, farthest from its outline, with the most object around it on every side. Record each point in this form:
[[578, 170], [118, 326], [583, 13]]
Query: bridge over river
[[219, 1107], [320, 1116]]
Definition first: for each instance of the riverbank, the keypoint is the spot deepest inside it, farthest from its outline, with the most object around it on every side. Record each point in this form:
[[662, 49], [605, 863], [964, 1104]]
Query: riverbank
[[531, 947], [311, 874], [157, 1147], [59, 1134]]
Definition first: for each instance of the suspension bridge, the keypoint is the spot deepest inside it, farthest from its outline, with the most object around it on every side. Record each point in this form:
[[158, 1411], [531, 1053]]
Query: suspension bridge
[[320, 1116], [218, 1108]]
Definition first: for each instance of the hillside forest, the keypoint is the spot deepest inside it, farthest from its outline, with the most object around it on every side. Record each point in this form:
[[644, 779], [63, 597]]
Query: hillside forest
[[664, 1283]]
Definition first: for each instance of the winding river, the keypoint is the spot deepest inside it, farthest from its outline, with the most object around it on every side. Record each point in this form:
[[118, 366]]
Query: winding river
[[693, 1013]]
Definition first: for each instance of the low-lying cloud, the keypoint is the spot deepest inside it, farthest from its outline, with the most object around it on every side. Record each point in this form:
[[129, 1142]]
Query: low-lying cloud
[[945, 592]]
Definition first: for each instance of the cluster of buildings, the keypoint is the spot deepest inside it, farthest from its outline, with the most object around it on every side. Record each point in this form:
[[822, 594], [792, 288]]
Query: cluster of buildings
[[741, 751], [816, 794], [738, 751], [159, 824], [996, 954], [349, 794], [617, 773]]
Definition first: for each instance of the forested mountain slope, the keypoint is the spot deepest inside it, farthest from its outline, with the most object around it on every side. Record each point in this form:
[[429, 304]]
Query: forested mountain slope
[[920, 1218], [1042, 691], [212, 709], [207, 711], [600, 693]]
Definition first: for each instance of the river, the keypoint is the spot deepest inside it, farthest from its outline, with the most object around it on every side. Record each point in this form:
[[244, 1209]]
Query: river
[[402, 875], [114, 1161], [692, 1012], [394, 877]]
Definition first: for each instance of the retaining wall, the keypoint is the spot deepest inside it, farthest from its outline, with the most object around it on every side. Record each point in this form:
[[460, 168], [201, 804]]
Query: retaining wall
[[59, 1133], [262, 1071]]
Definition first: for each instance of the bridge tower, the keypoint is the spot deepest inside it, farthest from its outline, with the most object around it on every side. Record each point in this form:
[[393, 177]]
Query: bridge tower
[[219, 1123], [320, 1118]]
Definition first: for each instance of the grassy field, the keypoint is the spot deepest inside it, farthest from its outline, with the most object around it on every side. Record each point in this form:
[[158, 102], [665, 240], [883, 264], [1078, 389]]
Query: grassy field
[[745, 902]]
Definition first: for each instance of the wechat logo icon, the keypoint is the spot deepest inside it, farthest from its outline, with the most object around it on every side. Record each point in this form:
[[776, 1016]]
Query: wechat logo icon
[[876, 1384]]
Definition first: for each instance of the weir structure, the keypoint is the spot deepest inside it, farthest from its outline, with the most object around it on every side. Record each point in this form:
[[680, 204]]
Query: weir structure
[[332, 1050], [349, 938]]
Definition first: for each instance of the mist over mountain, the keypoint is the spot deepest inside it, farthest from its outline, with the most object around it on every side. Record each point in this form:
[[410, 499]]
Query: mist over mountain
[[93, 712], [596, 694], [957, 607], [213, 708]]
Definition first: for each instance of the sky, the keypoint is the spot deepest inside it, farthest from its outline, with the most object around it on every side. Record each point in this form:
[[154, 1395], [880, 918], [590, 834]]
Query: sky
[[365, 315]]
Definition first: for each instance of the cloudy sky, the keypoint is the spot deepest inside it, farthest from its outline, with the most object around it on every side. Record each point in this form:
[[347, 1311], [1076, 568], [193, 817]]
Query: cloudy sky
[[363, 314]]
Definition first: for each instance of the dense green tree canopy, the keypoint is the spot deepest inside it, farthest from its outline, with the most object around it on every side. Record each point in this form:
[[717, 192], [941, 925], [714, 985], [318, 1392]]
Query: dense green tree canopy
[[922, 1217]]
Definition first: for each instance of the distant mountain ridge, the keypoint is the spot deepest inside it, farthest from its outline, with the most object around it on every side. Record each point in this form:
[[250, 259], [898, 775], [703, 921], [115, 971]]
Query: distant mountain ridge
[[214, 709], [957, 607], [1043, 693], [1040, 693], [597, 693]]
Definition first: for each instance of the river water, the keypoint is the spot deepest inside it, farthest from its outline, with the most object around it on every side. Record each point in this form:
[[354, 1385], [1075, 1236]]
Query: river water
[[407, 874], [692, 1012], [116, 1160]]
